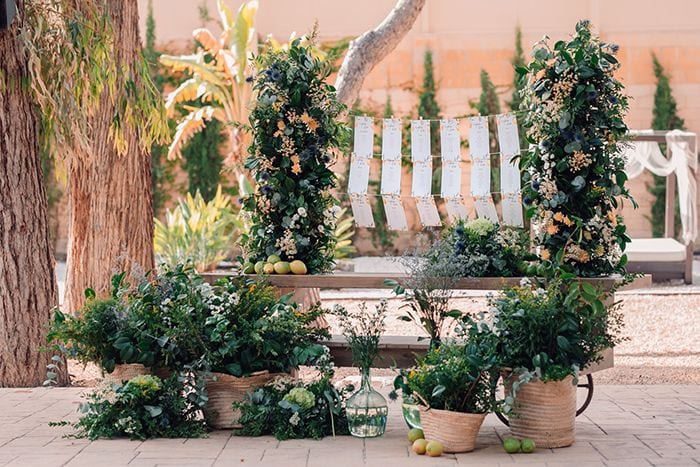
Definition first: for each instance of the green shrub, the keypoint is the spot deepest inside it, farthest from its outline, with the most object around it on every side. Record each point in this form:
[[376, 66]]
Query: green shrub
[[196, 231]]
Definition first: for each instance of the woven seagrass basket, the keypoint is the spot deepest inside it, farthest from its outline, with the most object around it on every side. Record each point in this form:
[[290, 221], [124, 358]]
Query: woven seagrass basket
[[455, 430]]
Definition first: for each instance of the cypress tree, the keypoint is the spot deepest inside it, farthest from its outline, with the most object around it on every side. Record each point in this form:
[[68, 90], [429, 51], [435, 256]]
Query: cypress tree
[[665, 118], [489, 105], [518, 84], [428, 108]]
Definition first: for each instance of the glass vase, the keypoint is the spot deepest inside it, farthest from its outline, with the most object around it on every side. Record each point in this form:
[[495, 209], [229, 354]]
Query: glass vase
[[366, 410]]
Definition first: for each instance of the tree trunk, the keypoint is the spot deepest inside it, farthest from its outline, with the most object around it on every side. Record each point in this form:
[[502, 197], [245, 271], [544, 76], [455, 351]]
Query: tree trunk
[[372, 46], [111, 208], [27, 280]]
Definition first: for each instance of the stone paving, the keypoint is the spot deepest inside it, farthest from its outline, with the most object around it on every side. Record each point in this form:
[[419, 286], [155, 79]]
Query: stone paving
[[625, 425]]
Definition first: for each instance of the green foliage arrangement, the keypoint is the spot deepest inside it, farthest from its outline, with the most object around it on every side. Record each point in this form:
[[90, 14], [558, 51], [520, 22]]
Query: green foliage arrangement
[[362, 330], [665, 118], [548, 331], [142, 408], [104, 332], [291, 409], [295, 131], [452, 377], [574, 174], [479, 248], [197, 231], [248, 329]]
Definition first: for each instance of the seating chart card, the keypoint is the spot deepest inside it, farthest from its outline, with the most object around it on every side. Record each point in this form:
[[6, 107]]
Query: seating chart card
[[481, 176], [362, 211], [451, 183], [427, 211], [510, 148], [508, 140], [420, 140], [395, 214], [456, 209], [422, 178], [364, 136], [391, 139], [391, 177], [449, 140], [479, 137], [359, 175], [485, 208], [512, 207]]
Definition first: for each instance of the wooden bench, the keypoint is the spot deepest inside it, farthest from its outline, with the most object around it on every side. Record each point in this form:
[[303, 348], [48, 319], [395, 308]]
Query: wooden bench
[[399, 351]]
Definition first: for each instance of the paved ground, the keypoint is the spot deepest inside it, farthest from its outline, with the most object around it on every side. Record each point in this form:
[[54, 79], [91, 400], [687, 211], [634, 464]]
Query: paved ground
[[625, 425]]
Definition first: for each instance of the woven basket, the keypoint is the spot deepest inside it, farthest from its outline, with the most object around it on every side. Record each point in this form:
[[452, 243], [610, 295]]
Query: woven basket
[[124, 372], [223, 390], [545, 413], [455, 430]]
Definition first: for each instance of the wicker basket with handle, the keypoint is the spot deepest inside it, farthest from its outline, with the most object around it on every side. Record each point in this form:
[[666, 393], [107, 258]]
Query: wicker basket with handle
[[455, 430], [545, 413], [223, 390]]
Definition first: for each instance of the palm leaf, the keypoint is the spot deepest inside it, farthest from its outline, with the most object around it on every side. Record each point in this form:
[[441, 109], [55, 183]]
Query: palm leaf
[[207, 39], [193, 64], [191, 124]]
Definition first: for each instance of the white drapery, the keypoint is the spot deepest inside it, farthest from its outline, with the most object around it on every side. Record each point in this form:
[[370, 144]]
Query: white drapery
[[683, 148]]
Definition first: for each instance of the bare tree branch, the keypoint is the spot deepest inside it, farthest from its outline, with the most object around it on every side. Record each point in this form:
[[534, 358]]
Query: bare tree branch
[[372, 46]]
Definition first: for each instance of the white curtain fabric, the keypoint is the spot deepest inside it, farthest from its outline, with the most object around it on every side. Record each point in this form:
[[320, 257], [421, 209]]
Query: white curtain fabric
[[683, 160]]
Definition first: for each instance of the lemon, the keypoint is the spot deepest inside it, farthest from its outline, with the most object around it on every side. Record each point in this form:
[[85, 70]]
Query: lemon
[[298, 267], [511, 445], [248, 268], [282, 267], [527, 445], [414, 434], [419, 446], [434, 448], [258, 268], [272, 259], [269, 268]]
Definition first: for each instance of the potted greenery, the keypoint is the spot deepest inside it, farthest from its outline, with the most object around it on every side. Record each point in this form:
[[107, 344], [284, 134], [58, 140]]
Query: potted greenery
[[106, 333], [366, 409], [250, 337], [453, 386], [542, 335]]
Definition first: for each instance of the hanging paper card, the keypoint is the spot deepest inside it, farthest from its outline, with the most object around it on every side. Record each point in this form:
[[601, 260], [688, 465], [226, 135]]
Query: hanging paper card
[[364, 136], [361, 211], [449, 140], [359, 175], [456, 209], [479, 137], [510, 174], [422, 178], [391, 139], [481, 176], [427, 211], [420, 140], [395, 214], [391, 177], [451, 183], [485, 208], [508, 140], [512, 209]]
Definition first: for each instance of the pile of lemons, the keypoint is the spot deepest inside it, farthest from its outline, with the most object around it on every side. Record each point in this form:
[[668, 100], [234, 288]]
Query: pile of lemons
[[275, 265], [422, 446]]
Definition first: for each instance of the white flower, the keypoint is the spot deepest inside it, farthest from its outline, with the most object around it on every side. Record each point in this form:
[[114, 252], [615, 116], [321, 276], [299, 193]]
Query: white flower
[[294, 419], [301, 211], [525, 282]]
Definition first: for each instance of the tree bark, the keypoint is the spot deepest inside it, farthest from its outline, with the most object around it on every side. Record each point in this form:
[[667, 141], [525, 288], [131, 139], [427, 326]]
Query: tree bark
[[27, 281], [111, 208], [371, 47]]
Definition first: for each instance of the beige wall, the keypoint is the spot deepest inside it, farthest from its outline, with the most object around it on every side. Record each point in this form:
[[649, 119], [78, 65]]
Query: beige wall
[[467, 36]]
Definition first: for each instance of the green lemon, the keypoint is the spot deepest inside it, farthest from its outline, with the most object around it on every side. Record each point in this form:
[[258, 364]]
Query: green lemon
[[511, 445], [527, 445], [414, 434], [258, 268], [273, 259], [434, 448], [248, 268], [282, 267]]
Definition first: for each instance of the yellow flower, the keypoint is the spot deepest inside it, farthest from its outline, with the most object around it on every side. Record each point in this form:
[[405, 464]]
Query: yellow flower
[[600, 251], [309, 121], [612, 217], [587, 235], [558, 217], [296, 167], [552, 229], [568, 222], [280, 125], [545, 255]]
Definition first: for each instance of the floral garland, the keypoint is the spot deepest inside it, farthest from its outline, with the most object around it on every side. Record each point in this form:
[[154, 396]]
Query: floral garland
[[295, 132], [574, 171]]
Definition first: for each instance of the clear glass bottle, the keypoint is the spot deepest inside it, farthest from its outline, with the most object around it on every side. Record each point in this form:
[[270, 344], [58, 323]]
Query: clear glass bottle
[[366, 410]]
